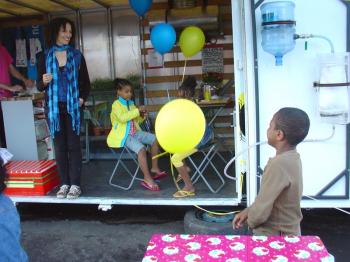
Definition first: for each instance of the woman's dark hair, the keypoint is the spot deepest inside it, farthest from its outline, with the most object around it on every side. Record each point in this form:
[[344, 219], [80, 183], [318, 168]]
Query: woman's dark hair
[[188, 87], [2, 176], [55, 27], [294, 123], [119, 83]]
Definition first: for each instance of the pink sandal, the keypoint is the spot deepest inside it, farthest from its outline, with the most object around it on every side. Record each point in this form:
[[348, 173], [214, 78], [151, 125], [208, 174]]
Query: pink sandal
[[149, 186], [160, 175]]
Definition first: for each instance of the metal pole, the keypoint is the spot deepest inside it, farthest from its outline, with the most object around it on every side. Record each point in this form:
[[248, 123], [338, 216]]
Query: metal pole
[[110, 42], [79, 31], [143, 58]]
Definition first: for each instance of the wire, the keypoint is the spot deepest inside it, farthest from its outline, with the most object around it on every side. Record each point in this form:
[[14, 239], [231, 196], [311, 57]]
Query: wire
[[265, 142], [337, 208], [217, 213], [237, 155]]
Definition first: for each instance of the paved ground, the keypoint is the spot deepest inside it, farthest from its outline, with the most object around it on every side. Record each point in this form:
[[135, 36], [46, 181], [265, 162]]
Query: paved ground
[[82, 233]]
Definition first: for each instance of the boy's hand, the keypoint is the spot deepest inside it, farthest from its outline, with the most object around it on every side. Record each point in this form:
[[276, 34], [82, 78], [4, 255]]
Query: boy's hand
[[240, 219]]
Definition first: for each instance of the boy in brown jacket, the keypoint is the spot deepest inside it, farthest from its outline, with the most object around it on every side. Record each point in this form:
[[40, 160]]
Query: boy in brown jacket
[[276, 209]]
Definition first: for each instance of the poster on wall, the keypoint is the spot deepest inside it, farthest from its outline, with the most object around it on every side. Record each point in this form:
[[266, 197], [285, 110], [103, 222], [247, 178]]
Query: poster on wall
[[24, 43], [213, 59], [155, 60]]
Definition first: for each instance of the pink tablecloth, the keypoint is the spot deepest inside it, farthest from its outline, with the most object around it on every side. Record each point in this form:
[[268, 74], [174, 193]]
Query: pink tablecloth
[[235, 248]]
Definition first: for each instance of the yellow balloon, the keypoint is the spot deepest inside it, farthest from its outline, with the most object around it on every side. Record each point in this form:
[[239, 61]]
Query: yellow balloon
[[191, 41], [180, 126]]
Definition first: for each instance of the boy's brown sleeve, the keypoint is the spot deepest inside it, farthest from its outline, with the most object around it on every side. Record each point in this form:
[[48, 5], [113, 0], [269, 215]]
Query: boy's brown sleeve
[[273, 183]]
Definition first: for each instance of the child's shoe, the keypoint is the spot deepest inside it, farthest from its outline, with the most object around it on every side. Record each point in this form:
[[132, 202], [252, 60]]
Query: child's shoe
[[74, 192], [63, 191]]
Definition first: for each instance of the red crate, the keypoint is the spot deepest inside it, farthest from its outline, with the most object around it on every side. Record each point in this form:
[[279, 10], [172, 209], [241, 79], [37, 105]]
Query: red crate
[[31, 178]]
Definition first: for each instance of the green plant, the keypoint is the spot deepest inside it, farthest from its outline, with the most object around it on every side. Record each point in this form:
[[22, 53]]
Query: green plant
[[135, 80], [212, 78], [102, 84]]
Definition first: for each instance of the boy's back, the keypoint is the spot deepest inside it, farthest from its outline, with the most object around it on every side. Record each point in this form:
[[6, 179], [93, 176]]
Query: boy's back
[[276, 210]]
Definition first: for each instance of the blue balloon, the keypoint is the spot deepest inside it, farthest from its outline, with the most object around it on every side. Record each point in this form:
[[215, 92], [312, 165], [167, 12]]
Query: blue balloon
[[163, 37], [140, 6]]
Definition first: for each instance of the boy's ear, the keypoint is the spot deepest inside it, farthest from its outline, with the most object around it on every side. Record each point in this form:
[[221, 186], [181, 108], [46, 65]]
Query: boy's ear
[[280, 135]]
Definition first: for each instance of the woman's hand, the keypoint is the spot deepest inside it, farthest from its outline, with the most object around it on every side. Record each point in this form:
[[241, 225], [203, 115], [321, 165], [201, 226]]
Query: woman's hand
[[81, 102], [28, 83], [16, 88], [47, 78]]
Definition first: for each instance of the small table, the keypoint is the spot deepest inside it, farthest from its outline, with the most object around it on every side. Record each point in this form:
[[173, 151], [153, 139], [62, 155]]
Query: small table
[[231, 248], [216, 104]]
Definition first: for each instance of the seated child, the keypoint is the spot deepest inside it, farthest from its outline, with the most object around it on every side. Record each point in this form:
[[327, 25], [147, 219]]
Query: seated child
[[125, 119], [276, 209], [187, 90]]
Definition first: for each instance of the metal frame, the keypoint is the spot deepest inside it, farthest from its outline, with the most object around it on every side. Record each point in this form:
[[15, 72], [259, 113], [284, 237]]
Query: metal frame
[[64, 4], [206, 161], [320, 195], [27, 6], [120, 162], [9, 12]]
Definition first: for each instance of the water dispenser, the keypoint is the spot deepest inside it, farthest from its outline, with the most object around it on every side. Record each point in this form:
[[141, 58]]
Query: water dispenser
[[278, 28], [333, 88]]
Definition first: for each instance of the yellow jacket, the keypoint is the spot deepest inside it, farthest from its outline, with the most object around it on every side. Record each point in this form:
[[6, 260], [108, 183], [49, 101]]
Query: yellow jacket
[[123, 112]]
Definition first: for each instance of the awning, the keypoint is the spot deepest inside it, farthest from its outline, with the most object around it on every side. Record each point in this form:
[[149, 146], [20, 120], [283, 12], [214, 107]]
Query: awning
[[28, 8]]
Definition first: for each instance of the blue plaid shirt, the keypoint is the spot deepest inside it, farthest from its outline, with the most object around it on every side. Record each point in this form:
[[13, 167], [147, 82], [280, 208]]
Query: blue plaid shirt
[[10, 232]]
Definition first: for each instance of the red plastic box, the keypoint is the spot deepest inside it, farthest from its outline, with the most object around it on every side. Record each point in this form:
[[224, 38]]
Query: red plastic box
[[31, 178]]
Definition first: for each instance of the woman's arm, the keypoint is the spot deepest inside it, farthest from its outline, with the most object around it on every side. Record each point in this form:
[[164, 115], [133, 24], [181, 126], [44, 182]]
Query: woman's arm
[[14, 72], [83, 80], [15, 88]]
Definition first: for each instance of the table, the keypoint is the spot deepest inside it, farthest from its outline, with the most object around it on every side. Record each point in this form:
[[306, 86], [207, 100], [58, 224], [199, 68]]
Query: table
[[99, 108], [231, 248], [216, 104]]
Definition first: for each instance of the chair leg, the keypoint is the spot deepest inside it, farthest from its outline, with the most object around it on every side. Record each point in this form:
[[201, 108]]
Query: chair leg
[[207, 160], [132, 175]]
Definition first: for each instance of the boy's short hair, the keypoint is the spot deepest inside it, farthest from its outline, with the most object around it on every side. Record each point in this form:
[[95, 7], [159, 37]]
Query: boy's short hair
[[294, 123]]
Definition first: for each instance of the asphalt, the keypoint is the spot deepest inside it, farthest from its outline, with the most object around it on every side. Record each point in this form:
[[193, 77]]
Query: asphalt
[[59, 232]]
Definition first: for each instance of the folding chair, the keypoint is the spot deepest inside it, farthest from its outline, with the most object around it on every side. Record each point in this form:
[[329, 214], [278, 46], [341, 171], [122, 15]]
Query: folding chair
[[132, 158], [209, 151], [120, 158]]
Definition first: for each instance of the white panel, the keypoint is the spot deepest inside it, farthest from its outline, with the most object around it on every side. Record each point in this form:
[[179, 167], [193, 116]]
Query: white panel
[[95, 37], [291, 85], [126, 43]]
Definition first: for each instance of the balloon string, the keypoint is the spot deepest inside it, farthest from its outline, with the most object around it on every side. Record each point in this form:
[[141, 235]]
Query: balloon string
[[179, 189], [159, 155], [183, 75]]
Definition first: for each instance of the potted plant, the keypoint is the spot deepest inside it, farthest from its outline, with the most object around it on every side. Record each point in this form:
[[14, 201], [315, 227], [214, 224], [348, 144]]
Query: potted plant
[[214, 80], [102, 84], [97, 129]]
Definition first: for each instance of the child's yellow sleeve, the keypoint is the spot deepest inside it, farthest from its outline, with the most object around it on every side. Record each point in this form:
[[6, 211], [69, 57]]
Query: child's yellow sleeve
[[122, 116]]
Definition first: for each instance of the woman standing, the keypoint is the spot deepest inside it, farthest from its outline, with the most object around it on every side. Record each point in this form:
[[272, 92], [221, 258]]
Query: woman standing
[[66, 81]]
